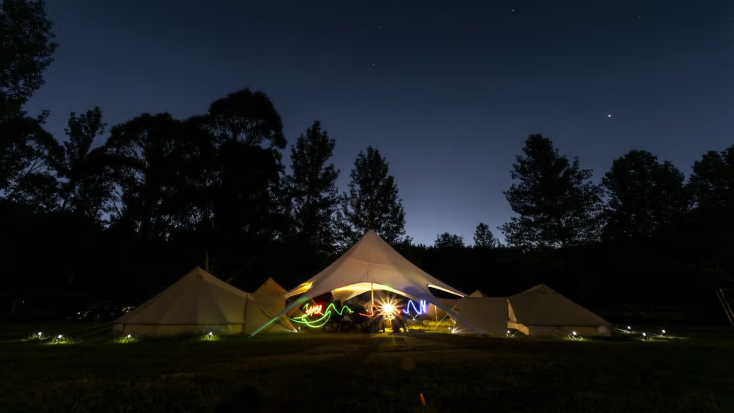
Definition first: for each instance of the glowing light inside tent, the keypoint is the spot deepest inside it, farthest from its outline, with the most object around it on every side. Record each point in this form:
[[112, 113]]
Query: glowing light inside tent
[[422, 304], [321, 321], [388, 309]]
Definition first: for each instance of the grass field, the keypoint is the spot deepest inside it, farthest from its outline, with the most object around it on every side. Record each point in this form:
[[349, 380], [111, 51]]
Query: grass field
[[359, 373]]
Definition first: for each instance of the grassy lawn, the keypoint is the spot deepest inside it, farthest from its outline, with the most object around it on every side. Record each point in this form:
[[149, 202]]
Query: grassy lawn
[[356, 373]]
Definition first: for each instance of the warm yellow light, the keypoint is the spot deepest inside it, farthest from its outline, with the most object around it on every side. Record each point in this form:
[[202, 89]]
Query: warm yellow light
[[388, 308]]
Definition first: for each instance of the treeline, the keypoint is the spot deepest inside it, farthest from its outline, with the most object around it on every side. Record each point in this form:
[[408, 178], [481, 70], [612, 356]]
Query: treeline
[[128, 214]]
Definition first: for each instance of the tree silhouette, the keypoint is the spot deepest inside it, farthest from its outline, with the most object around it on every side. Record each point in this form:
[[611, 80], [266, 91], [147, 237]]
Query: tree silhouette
[[447, 240], [148, 159], [312, 189], [25, 52], [26, 151], [248, 117], [643, 195], [84, 185], [712, 181], [372, 202], [556, 202], [484, 238]]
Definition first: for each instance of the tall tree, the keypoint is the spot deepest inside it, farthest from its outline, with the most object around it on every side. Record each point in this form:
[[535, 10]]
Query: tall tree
[[556, 201], [26, 152], [372, 202], [447, 240], [712, 181], [643, 194], [312, 189], [149, 162], [84, 186], [484, 238], [25, 52], [248, 117]]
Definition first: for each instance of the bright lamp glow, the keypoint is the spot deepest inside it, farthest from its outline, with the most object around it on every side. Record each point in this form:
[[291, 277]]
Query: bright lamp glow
[[40, 334], [129, 336], [60, 336], [644, 334], [629, 328], [663, 331], [573, 332]]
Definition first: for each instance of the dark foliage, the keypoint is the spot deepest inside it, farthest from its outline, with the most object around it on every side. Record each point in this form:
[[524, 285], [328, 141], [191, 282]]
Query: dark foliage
[[372, 202], [555, 199], [643, 195], [25, 52]]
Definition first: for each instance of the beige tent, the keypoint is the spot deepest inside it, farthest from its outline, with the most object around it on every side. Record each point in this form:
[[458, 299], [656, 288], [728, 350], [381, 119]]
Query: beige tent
[[542, 311], [199, 303], [371, 264], [478, 293], [486, 313]]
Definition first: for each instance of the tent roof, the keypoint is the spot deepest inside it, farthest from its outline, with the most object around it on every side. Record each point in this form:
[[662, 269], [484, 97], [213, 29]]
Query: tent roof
[[542, 305], [372, 260], [270, 287], [197, 298], [477, 293]]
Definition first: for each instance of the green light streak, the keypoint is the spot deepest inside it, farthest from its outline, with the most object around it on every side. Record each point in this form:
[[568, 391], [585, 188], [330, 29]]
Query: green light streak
[[323, 319]]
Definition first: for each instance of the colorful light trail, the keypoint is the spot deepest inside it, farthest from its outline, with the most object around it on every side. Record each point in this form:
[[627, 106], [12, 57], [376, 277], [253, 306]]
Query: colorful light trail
[[315, 310], [422, 304]]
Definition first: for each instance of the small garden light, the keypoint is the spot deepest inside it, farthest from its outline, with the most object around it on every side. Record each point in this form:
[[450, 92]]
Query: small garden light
[[574, 333], [629, 328], [60, 337], [210, 334], [40, 334], [644, 334], [129, 336], [663, 331]]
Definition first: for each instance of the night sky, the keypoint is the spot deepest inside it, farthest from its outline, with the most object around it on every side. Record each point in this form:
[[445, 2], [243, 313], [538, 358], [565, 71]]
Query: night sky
[[447, 90]]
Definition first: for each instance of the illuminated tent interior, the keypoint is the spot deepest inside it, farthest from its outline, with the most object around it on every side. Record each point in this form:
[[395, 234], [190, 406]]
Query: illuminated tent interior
[[200, 303], [543, 311], [373, 265]]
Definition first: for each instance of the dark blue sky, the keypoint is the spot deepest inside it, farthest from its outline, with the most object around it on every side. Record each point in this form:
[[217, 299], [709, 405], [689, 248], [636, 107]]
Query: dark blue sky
[[446, 90]]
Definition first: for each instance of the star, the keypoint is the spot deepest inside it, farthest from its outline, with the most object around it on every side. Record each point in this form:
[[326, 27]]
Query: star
[[609, 116], [513, 9]]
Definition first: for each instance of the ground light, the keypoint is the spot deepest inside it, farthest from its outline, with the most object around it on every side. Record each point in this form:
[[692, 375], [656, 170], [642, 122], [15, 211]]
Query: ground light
[[61, 339], [210, 336]]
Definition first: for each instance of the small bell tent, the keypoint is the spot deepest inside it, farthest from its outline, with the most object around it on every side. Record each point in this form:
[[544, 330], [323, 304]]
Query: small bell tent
[[543, 311], [199, 303]]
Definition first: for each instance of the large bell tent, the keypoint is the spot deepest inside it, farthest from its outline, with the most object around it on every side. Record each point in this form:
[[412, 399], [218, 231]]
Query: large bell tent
[[372, 264]]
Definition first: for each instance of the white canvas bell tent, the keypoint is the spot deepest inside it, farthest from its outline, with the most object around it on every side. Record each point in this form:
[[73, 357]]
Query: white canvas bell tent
[[198, 303], [372, 264], [543, 311]]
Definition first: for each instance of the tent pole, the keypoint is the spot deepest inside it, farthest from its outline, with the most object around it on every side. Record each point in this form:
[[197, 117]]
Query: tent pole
[[372, 293]]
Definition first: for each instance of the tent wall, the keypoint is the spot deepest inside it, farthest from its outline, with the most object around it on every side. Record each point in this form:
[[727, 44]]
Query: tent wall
[[173, 330], [531, 330], [488, 314], [260, 310]]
